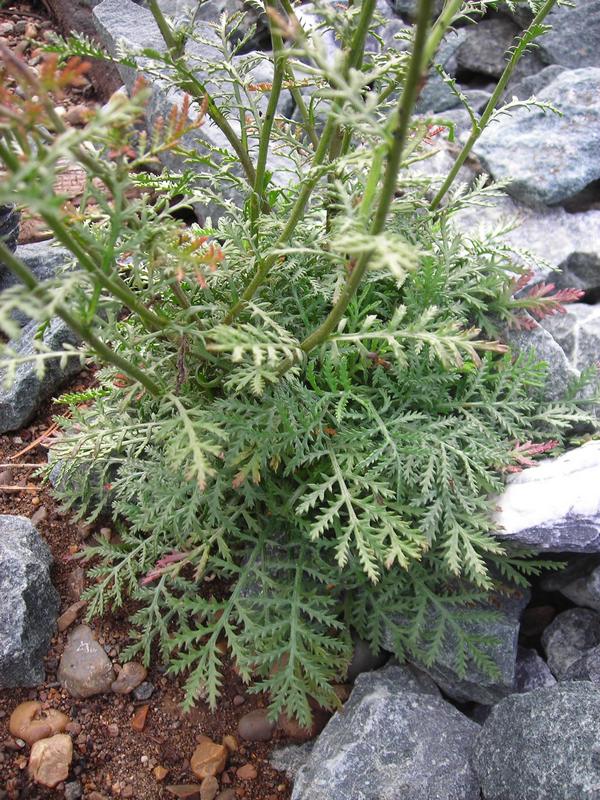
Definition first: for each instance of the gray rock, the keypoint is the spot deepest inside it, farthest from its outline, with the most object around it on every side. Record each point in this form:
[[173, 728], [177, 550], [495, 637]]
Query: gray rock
[[539, 341], [20, 402], [408, 8], [510, 148], [551, 235], [584, 590], [84, 669], [568, 637], [580, 270], [476, 684], [554, 507], [542, 745], [532, 85], [364, 660], [531, 671], [144, 691], [573, 37], [577, 331], [10, 218], [436, 96], [586, 668], [390, 742], [485, 47], [29, 604], [292, 758]]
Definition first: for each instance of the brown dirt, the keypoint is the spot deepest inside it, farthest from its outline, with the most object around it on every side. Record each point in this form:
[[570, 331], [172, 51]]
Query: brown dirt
[[116, 762]]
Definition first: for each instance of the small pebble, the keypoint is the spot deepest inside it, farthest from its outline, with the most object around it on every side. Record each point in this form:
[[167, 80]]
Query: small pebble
[[160, 772], [130, 677], [138, 722], [6, 28], [31, 30], [209, 788], [239, 700], [144, 691], [39, 515], [113, 730], [230, 742], [255, 726], [73, 790], [19, 30], [247, 772]]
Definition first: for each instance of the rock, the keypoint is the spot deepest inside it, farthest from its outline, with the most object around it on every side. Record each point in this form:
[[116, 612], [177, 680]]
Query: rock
[[364, 660], [209, 788], [85, 669], [390, 742], [408, 8], [10, 218], [255, 726], [477, 685], [247, 772], [484, 49], [230, 742], [144, 691], [541, 745], [552, 235], [188, 791], [568, 637], [7, 28], [531, 671], [544, 346], [572, 40], [31, 723], [160, 772], [586, 668], [578, 271], [292, 729], [78, 115], [510, 148], [50, 760], [138, 721], [44, 259], [554, 507], [292, 758], [584, 590], [129, 678], [577, 331], [21, 401], [29, 604], [530, 85], [436, 96], [68, 617], [73, 790], [208, 759]]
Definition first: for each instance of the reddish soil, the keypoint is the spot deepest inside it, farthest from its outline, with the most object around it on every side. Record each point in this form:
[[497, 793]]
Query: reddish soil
[[110, 758]]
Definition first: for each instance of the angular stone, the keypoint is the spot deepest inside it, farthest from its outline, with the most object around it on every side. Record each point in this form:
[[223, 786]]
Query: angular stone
[[129, 678], [568, 637], [477, 685], [541, 745], [584, 590], [292, 758], [544, 346], [554, 507], [390, 743], [484, 49], [580, 270], [510, 148], [577, 331], [84, 668], [572, 40], [208, 759], [20, 402], [29, 604], [531, 671], [50, 760]]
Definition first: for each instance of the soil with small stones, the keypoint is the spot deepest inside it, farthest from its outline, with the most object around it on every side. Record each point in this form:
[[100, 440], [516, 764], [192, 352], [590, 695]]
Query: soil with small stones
[[110, 757]]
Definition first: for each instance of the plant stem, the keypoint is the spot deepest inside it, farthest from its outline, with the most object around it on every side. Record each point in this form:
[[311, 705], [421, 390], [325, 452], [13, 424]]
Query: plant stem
[[18, 268], [479, 127], [163, 25], [401, 122], [258, 199], [309, 183], [197, 90]]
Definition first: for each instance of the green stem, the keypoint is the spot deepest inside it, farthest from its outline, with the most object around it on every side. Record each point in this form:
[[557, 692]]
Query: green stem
[[414, 81], [258, 199], [18, 268], [479, 127], [308, 185], [165, 29]]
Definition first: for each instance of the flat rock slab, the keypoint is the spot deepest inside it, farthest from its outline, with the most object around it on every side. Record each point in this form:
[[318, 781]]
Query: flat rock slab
[[392, 740], [555, 507], [29, 604], [542, 745], [567, 162]]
